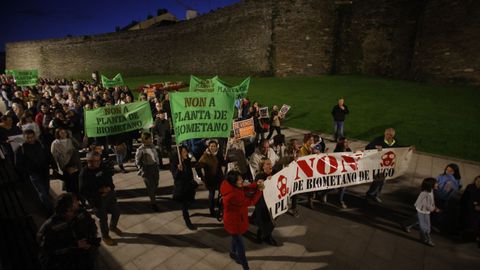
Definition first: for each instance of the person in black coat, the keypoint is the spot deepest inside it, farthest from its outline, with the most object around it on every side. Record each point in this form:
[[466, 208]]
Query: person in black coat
[[339, 112], [35, 159], [68, 239], [96, 185], [470, 208], [184, 186], [261, 215], [386, 141]]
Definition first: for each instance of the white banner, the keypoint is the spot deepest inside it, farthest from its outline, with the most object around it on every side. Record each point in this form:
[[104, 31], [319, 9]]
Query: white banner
[[332, 170]]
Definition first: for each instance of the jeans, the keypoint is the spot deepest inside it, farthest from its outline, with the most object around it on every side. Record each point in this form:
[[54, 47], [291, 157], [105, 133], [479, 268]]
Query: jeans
[[108, 205], [238, 248], [338, 129], [424, 222], [376, 188]]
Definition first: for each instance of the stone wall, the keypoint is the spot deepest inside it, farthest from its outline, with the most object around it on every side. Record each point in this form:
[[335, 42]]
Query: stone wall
[[232, 40], [302, 37], [376, 37], [409, 39], [447, 47]]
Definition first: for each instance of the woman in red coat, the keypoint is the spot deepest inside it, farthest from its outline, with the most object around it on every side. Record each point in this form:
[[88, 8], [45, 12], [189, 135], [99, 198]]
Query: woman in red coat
[[235, 213]]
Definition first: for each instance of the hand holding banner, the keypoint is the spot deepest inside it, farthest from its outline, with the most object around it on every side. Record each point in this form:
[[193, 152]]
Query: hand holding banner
[[243, 129], [201, 85], [110, 120], [333, 170], [24, 77], [283, 111], [263, 112]]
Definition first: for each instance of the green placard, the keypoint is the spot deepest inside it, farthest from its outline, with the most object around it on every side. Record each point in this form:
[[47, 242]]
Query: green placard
[[116, 81], [24, 77], [201, 85], [201, 115], [239, 91], [117, 119]]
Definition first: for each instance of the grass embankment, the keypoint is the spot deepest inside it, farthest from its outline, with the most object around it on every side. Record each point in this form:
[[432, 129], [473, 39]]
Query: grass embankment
[[436, 119]]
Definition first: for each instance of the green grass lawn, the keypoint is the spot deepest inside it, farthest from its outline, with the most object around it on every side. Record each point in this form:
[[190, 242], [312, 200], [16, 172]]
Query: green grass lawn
[[436, 119]]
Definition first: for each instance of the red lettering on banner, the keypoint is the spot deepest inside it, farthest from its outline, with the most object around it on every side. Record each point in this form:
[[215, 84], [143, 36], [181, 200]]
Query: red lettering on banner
[[322, 165], [306, 169], [352, 162]]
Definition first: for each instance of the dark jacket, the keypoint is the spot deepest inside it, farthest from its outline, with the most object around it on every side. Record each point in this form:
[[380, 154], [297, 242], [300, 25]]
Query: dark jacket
[[58, 238], [91, 180], [184, 185], [381, 141], [235, 207], [33, 158], [339, 114], [212, 164], [261, 215], [470, 198]]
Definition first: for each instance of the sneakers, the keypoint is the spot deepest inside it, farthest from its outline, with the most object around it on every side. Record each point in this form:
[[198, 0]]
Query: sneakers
[[191, 227], [343, 205], [271, 241], [429, 243], [109, 241], [374, 198], [117, 231]]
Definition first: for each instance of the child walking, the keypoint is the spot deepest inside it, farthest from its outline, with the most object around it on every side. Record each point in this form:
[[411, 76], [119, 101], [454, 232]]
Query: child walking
[[425, 204]]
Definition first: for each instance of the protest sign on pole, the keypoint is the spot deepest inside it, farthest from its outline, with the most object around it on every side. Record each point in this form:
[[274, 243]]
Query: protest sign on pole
[[201, 115], [333, 170], [240, 91], [110, 120], [24, 77], [263, 112], [244, 128], [283, 111], [201, 85], [9, 72], [116, 81]]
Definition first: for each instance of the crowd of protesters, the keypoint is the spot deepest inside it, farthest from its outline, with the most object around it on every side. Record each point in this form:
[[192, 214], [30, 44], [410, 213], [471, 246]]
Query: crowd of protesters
[[49, 115]]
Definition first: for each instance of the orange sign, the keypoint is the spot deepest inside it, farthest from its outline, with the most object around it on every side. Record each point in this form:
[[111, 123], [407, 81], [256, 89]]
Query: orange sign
[[245, 128]]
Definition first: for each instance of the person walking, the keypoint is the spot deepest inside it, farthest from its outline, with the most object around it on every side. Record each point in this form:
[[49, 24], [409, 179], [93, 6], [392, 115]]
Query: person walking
[[211, 162], [235, 212], [184, 188], [425, 204]]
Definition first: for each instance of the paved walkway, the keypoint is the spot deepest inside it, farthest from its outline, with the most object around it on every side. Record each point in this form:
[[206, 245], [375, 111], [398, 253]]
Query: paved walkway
[[365, 236]]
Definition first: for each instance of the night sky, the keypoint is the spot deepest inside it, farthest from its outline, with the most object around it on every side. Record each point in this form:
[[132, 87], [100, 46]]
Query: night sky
[[31, 20]]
